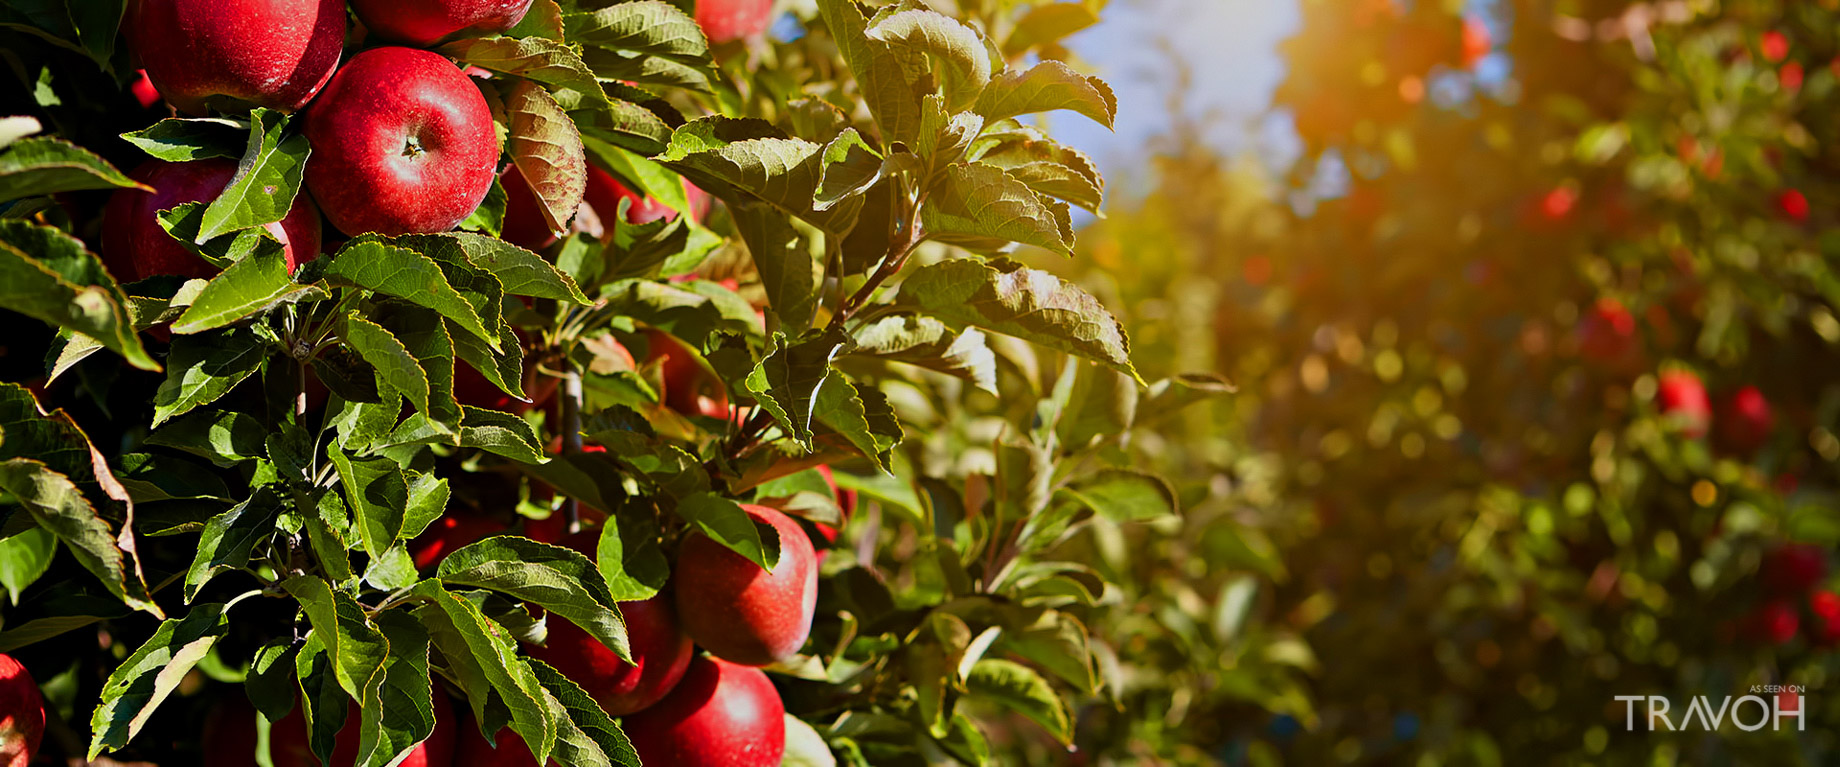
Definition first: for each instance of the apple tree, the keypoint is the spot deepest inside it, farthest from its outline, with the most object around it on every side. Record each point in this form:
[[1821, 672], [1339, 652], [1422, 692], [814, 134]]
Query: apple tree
[[408, 396]]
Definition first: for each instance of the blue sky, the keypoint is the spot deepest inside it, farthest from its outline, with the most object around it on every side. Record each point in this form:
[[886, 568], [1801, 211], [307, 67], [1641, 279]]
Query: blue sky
[[1231, 49]]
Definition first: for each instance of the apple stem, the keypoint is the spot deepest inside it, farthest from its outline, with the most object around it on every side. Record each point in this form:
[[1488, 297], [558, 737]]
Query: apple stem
[[571, 435]]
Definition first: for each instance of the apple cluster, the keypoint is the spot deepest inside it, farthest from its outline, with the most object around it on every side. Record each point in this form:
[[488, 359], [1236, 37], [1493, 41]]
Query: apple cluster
[[402, 141]]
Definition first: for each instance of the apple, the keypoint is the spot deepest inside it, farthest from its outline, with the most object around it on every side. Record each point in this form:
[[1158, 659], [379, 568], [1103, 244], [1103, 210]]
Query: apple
[[1793, 568], [1476, 41], [1793, 204], [1608, 333], [525, 227], [1683, 400], [846, 506], [729, 20], [402, 142], [229, 54], [230, 738], [740, 612], [720, 715], [510, 749], [135, 247], [423, 23], [144, 93], [1826, 608], [22, 714], [1775, 46], [1775, 622], [452, 531], [689, 388], [1746, 420], [660, 649]]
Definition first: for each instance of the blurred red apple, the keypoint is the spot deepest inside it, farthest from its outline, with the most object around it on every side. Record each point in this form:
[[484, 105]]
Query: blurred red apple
[[1683, 399], [1825, 605], [1776, 622], [1793, 568], [423, 23], [720, 715], [1476, 41], [1607, 334], [1774, 45], [228, 54], [729, 20], [22, 714], [1793, 204], [740, 612], [1746, 420], [135, 247], [689, 388], [402, 142], [144, 93]]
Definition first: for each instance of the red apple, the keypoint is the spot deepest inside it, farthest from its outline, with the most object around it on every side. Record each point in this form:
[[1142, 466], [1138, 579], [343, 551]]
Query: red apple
[[22, 714], [1826, 608], [1793, 568], [729, 20], [689, 388], [228, 54], [230, 737], [509, 751], [144, 93], [1476, 41], [1683, 399], [1775, 46], [660, 649], [1746, 420], [1775, 622], [1607, 334], [720, 715], [402, 142], [740, 612], [424, 23], [1793, 204], [451, 531], [135, 247]]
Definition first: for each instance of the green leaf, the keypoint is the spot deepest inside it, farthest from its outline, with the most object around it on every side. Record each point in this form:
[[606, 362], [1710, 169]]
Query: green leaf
[[546, 147], [544, 19], [986, 202], [324, 704], [229, 538], [151, 477], [787, 380], [504, 370], [1048, 24], [585, 735], [44, 165], [151, 673], [724, 522], [353, 644], [183, 139], [557, 578], [501, 434], [252, 285], [378, 494], [522, 272], [849, 167], [57, 505], [531, 58], [428, 496], [630, 559], [788, 271], [1032, 305], [1046, 87], [396, 367], [404, 273], [927, 342], [201, 369], [183, 222], [224, 437], [267, 178], [393, 571], [960, 59], [885, 78], [1127, 496], [270, 683], [23, 558], [805, 747], [1019, 689], [841, 408], [738, 159], [646, 27], [626, 125], [486, 658], [616, 67], [397, 712], [1056, 642], [489, 217], [649, 178], [49, 275]]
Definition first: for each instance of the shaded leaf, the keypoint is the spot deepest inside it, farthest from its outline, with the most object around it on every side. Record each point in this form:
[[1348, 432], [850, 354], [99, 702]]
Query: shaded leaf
[[49, 275], [229, 538], [44, 165], [724, 522], [786, 381], [267, 178], [142, 681], [983, 201], [557, 578], [546, 147], [183, 139], [1033, 305]]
